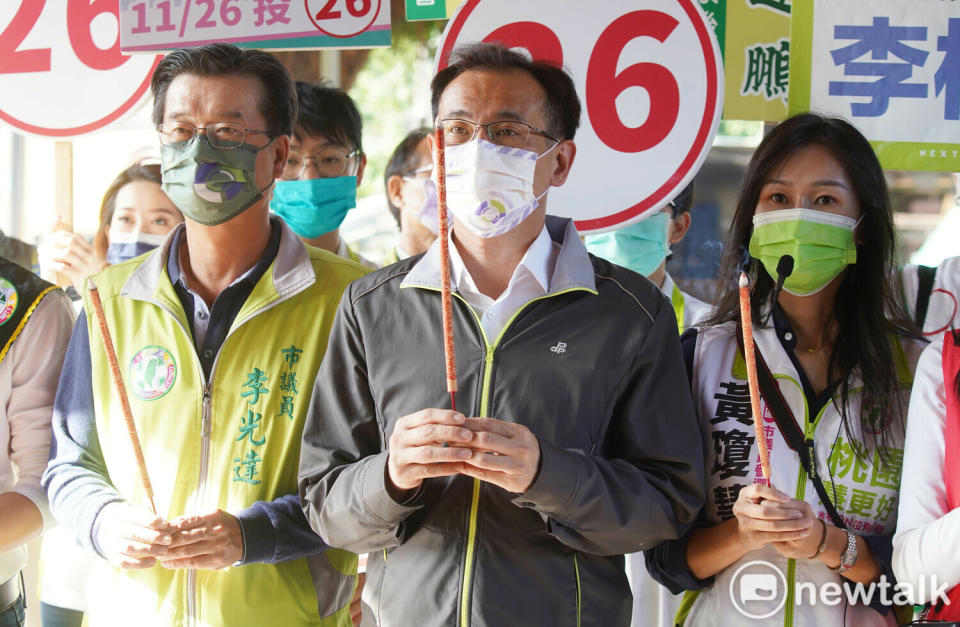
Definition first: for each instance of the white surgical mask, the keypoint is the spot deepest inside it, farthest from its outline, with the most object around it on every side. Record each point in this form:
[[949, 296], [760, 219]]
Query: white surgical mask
[[423, 202], [490, 187]]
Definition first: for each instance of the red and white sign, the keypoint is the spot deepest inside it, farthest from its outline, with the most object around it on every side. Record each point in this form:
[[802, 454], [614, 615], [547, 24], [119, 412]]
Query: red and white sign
[[154, 25], [650, 79], [61, 70]]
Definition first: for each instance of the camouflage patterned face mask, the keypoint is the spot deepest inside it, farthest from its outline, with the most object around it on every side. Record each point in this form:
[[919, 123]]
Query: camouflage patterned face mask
[[210, 185]]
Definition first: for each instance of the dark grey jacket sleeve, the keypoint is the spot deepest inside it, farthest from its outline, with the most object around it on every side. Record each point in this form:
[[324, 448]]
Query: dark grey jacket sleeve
[[343, 454], [667, 562], [644, 483]]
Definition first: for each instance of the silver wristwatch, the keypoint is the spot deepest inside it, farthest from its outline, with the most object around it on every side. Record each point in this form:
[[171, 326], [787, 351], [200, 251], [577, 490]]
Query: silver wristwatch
[[849, 557]]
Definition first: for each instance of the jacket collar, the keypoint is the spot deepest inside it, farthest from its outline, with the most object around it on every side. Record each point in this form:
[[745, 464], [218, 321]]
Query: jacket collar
[[573, 270], [290, 273]]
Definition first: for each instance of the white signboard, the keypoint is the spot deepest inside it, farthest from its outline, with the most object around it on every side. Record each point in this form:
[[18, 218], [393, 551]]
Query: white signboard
[[891, 67], [650, 79], [153, 25], [61, 70]]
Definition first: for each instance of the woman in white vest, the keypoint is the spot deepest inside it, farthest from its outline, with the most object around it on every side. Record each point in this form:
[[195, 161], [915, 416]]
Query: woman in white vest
[[838, 372]]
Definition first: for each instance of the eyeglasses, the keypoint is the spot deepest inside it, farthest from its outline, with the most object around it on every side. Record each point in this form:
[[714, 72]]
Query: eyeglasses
[[329, 162], [508, 134], [220, 134], [412, 174]]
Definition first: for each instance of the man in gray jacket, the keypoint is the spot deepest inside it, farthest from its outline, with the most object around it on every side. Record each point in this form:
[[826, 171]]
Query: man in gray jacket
[[578, 440]]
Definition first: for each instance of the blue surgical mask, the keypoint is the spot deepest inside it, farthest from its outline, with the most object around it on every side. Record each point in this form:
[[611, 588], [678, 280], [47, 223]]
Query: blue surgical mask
[[315, 206], [124, 246], [641, 247]]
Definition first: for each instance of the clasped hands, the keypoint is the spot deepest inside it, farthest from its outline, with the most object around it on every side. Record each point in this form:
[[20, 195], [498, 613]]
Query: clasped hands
[[766, 515], [440, 442], [131, 536]]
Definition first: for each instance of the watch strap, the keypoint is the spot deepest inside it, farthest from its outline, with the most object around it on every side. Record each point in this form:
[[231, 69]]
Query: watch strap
[[849, 557]]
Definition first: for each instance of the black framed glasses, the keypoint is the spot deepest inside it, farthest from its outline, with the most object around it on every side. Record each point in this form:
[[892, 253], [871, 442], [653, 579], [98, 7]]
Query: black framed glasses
[[505, 133], [220, 134], [329, 162]]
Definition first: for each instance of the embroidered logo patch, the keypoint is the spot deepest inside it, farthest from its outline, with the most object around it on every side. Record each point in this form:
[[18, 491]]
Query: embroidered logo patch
[[8, 300], [152, 372]]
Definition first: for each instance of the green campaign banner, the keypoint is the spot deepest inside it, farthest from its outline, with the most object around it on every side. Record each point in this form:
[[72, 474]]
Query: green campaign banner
[[430, 9], [756, 59]]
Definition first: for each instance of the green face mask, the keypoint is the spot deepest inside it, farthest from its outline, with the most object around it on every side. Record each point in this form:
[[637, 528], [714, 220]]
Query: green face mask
[[210, 185], [820, 243]]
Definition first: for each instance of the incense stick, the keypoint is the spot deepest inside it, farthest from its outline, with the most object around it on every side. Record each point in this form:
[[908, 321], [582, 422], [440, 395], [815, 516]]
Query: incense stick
[[445, 296], [122, 393], [750, 357]]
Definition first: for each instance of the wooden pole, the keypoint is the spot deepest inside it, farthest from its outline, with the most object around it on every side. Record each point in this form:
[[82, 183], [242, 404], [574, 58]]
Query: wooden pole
[[121, 393]]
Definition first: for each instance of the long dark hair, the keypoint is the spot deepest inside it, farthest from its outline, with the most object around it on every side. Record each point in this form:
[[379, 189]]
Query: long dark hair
[[866, 310]]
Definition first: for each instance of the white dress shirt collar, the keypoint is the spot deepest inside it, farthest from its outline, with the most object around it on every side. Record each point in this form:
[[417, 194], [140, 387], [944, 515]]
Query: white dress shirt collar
[[530, 280]]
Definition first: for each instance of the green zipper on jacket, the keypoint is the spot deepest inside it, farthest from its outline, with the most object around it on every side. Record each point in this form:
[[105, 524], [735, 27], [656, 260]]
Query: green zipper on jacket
[[809, 429], [484, 406], [576, 571], [489, 351]]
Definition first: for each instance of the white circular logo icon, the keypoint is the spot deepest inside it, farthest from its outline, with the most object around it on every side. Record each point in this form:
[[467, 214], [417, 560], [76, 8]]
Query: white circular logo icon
[[153, 371], [758, 589]]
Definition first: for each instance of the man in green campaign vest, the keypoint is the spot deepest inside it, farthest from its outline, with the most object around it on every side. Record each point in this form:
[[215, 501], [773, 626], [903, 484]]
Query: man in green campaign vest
[[219, 333]]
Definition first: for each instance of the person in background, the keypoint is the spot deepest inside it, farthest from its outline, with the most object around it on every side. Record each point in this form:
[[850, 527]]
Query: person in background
[[644, 247], [838, 368], [411, 196], [931, 295], [19, 252], [211, 332], [135, 216], [35, 322], [325, 166], [927, 541]]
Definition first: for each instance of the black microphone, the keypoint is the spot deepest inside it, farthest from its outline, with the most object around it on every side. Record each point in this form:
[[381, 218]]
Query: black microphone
[[784, 270]]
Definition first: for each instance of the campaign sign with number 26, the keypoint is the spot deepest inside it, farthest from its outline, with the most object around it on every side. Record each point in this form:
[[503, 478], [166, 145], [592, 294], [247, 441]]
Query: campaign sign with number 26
[[62, 73], [650, 79]]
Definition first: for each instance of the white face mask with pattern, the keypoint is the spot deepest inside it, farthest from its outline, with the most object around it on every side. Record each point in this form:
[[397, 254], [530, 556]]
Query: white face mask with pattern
[[490, 187]]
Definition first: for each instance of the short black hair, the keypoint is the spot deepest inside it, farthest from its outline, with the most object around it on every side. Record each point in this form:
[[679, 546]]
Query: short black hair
[[562, 106], [683, 201], [402, 163], [278, 97], [327, 110]]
